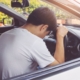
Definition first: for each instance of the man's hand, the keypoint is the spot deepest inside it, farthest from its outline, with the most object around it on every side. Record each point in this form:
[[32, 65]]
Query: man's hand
[[59, 54], [61, 31]]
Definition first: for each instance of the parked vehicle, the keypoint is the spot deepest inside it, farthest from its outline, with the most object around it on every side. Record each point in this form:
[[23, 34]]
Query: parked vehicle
[[69, 70]]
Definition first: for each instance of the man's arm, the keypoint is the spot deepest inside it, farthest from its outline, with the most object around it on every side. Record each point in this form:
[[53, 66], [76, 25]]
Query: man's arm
[[59, 51]]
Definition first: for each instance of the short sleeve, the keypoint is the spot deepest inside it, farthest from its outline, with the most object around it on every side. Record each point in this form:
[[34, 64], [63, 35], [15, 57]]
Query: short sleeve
[[41, 54]]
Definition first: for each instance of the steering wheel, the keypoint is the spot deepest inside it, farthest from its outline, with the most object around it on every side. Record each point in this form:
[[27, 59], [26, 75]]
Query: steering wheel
[[51, 43], [65, 41]]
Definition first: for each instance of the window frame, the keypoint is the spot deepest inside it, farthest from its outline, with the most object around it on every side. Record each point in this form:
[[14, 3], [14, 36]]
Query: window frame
[[49, 71]]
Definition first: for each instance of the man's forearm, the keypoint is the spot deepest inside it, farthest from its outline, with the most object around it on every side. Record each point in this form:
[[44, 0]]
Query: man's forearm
[[59, 52]]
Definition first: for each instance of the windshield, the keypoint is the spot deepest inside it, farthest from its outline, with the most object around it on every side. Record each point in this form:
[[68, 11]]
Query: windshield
[[62, 16], [74, 4]]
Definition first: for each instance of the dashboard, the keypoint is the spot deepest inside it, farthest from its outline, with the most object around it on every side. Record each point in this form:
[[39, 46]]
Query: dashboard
[[72, 50]]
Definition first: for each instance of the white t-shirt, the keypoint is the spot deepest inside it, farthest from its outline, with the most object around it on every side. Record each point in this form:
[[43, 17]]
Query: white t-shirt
[[21, 52]]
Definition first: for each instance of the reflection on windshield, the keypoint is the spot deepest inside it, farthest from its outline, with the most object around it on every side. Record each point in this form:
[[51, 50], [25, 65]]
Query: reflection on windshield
[[76, 2], [68, 18], [73, 4]]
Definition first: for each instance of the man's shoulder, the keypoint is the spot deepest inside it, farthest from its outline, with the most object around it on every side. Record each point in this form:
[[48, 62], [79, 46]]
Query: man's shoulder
[[38, 43]]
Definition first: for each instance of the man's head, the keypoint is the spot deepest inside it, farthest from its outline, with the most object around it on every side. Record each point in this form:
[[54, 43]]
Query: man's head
[[44, 21]]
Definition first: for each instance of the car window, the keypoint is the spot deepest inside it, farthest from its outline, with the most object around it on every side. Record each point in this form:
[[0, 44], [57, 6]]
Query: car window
[[5, 20]]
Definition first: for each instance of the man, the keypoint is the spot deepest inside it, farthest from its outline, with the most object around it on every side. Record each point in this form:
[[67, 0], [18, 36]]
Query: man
[[22, 49]]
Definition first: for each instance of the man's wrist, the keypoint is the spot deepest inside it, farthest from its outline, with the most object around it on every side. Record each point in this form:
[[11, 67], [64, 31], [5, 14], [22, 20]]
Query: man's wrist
[[60, 37]]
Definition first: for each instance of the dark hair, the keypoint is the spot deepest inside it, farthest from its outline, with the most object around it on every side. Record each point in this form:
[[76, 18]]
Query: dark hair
[[43, 15]]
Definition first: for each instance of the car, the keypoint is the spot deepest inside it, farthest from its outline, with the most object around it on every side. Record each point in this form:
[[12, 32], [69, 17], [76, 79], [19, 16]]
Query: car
[[70, 69]]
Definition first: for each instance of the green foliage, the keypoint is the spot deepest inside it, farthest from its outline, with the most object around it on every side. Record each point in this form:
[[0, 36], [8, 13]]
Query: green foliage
[[6, 2], [2, 15], [34, 4], [37, 3]]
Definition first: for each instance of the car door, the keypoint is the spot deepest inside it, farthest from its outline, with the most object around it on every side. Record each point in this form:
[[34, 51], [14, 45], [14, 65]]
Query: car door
[[67, 71]]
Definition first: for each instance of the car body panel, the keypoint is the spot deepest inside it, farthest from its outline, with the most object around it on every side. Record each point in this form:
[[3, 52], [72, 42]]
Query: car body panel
[[71, 74], [50, 71]]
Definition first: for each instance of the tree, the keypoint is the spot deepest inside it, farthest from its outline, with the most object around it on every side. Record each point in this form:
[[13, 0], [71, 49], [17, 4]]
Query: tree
[[35, 4], [6, 2]]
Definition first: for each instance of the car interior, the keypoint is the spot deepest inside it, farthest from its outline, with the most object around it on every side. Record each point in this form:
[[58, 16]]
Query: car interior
[[71, 40]]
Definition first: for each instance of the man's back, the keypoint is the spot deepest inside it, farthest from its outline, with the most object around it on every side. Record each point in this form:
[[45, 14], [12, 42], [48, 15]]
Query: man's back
[[15, 51], [21, 52]]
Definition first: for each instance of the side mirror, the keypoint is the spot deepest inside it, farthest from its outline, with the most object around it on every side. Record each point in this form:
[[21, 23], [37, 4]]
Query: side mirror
[[8, 21], [16, 3]]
